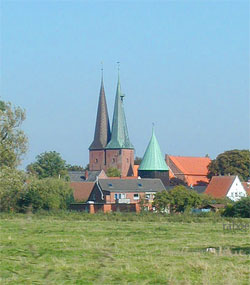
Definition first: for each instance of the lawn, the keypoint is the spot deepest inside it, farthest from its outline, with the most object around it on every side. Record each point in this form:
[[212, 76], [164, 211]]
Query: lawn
[[76, 248]]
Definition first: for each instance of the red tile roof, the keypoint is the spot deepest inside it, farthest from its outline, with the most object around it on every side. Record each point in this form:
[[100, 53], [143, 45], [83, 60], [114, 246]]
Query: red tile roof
[[82, 190], [194, 168], [219, 186], [246, 186]]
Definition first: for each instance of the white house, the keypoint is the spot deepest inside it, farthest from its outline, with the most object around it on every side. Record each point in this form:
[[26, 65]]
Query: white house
[[226, 186]]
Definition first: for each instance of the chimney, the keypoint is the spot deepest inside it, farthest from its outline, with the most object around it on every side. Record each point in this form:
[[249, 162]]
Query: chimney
[[86, 174]]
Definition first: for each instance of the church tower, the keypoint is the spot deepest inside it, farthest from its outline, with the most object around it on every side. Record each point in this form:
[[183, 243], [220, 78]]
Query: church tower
[[97, 152], [119, 150], [153, 164]]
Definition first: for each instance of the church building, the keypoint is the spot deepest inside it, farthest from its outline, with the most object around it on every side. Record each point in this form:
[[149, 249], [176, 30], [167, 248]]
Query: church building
[[111, 148]]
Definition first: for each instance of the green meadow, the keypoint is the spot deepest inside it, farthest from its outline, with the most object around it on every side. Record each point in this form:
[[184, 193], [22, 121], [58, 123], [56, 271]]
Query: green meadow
[[77, 248]]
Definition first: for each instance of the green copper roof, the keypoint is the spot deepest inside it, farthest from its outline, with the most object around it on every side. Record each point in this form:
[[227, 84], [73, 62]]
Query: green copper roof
[[153, 158], [119, 134]]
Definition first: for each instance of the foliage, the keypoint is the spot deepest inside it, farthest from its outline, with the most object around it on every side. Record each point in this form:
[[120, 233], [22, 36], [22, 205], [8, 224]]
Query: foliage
[[137, 160], [233, 162], [46, 194], [178, 199], [13, 142], [113, 172], [12, 183], [74, 167], [240, 208], [207, 199], [48, 164]]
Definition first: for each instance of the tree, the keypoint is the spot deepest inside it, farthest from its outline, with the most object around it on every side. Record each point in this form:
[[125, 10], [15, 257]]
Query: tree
[[12, 183], [240, 209], [178, 199], [137, 160], [74, 167], [48, 164], [13, 142], [233, 162], [113, 172], [46, 194]]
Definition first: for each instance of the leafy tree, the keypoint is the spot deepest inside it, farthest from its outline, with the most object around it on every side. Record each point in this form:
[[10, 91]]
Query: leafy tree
[[162, 201], [240, 209], [178, 199], [137, 160], [12, 183], [74, 167], [113, 172], [46, 194], [13, 142], [48, 164], [234, 162]]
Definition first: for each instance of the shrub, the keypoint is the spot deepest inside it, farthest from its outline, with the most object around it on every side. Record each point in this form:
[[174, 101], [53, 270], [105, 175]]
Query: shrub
[[240, 209], [12, 183], [46, 194], [179, 199]]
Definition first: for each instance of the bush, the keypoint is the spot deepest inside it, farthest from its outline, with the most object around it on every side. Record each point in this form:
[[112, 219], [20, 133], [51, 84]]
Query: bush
[[12, 183], [179, 199], [46, 194], [240, 209]]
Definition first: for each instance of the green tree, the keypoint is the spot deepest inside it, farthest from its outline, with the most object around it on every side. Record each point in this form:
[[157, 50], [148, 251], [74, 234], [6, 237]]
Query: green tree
[[13, 142], [162, 201], [46, 194], [48, 164], [240, 209], [233, 162], [137, 160], [178, 199], [12, 184], [74, 167], [113, 172]]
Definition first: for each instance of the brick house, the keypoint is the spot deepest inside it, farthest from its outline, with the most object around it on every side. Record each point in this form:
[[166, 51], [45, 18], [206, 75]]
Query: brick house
[[121, 192]]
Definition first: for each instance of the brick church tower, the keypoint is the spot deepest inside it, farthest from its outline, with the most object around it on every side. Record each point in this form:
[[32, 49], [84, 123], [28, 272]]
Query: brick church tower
[[116, 150]]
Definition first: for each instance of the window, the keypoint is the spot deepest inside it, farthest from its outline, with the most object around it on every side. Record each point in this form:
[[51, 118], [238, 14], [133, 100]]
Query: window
[[136, 196], [232, 194], [139, 184], [96, 160], [116, 196], [147, 196], [127, 160], [236, 194], [113, 160], [110, 185]]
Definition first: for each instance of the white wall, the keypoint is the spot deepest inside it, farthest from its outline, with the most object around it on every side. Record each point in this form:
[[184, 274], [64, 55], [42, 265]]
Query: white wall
[[236, 191]]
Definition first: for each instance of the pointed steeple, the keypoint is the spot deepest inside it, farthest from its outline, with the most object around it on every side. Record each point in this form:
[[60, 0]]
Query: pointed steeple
[[102, 127], [153, 158], [119, 136]]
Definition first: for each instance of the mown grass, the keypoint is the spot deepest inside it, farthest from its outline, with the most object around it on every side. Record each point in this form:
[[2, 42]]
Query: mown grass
[[76, 248]]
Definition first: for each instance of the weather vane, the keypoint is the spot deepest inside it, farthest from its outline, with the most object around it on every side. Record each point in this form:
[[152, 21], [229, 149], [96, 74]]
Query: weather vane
[[118, 66]]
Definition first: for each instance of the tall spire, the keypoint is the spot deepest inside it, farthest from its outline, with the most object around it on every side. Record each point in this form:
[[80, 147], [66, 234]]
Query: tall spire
[[119, 137], [102, 127], [153, 159]]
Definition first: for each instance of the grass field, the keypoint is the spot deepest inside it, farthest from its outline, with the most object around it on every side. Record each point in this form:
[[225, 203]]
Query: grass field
[[76, 248]]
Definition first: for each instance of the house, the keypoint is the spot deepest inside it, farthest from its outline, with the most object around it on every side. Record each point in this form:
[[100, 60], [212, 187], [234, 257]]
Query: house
[[117, 193], [82, 183], [192, 170], [226, 186]]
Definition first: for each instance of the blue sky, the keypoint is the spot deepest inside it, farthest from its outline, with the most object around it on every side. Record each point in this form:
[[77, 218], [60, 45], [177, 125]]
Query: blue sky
[[184, 66]]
